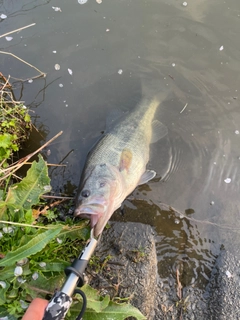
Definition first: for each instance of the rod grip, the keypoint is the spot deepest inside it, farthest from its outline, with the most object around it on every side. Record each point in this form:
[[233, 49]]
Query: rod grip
[[58, 306]]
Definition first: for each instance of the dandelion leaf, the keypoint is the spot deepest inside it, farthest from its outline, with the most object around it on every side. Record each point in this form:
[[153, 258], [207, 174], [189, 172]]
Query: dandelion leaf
[[55, 266], [3, 292], [101, 308], [26, 193], [95, 301], [33, 246], [7, 273], [45, 284], [4, 314], [115, 311]]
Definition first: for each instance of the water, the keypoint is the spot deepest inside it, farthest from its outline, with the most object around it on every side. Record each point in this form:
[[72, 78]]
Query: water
[[118, 51]]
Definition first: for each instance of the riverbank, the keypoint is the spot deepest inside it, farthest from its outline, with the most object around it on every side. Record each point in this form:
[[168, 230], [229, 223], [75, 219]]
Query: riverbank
[[128, 253]]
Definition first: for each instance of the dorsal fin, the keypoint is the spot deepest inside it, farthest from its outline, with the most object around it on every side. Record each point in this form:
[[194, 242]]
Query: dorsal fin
[[159, 130], [114, 116]]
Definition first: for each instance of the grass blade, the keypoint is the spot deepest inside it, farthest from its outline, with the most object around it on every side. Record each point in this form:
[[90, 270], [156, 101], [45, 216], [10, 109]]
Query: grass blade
[[33, 246]]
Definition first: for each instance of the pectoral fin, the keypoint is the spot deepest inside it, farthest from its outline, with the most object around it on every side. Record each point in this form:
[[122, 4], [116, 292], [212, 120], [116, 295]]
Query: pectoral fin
[[125, 160], [148, 175], [159, 130]]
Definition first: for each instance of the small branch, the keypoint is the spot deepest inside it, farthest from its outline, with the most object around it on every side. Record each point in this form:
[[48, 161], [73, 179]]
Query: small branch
[[15, 166], [51, 164], [179, 286], [11, 97], [184, 107], [32, 78], [44, 210], [5, 84], [40, 290], [16, 30], [56, 197], [17, 177], [42, 74], [5, 80], [182, 215]]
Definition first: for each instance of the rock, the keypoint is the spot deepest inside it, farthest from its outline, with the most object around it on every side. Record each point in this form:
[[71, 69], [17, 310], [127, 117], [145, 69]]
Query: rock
[[127, 268], [131, 267], [224, 286]]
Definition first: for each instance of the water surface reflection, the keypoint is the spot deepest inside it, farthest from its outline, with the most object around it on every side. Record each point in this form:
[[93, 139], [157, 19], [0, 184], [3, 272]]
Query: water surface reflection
[[192, 53]]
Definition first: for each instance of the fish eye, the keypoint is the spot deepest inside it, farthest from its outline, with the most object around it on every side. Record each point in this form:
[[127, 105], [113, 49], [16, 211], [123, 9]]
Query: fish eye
[[102, 184], [85, 193]]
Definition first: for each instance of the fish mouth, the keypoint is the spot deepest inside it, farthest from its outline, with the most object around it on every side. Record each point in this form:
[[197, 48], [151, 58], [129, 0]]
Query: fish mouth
[[92, 212]]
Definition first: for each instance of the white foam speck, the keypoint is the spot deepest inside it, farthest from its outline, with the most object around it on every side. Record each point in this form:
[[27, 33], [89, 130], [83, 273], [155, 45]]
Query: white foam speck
[[228, 180]]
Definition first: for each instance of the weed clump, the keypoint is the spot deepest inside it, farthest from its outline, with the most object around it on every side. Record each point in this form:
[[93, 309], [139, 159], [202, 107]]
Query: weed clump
[[15, 122]]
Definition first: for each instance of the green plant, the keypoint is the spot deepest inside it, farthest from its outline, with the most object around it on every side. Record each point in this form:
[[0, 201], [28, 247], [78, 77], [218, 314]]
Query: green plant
[[34, 253], [136, 255], [15, 121]]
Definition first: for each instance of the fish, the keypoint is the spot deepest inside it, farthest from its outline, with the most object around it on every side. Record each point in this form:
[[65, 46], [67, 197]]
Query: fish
[[116, 165]]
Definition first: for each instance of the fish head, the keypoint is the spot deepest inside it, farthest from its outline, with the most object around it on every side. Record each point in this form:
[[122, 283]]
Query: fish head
[[97, 195]]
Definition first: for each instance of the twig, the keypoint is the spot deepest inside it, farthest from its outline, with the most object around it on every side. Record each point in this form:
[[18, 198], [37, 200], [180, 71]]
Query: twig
[[16, 30], [1, 164], [166, 309], [11, 97], [179, 286], [39, 290], [17, 177], [31, 78], [56, 197], [44, 210], [181, 214], [42, 74], [5, 84], [184, 107], [221, 226], [15, 166], [51, 164]]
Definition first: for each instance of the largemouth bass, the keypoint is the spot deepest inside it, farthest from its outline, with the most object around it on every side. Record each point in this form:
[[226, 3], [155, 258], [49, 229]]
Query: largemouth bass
[[117, 164]]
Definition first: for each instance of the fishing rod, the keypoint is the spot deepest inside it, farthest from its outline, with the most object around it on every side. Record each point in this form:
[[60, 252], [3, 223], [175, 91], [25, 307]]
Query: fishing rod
[[61, 301]]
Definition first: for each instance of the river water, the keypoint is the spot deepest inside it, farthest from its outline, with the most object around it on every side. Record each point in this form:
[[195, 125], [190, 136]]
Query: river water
[[110, 55]]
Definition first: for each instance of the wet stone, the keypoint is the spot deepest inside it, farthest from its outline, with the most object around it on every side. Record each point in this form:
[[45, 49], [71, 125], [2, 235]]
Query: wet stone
[[131, 270], [224, 291], [127, 267]]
